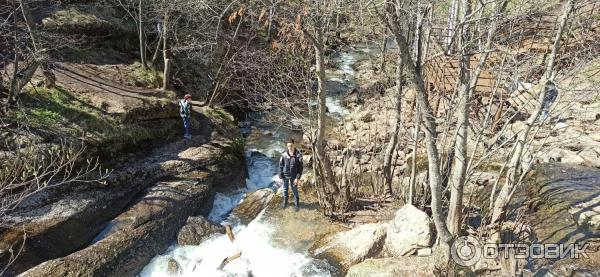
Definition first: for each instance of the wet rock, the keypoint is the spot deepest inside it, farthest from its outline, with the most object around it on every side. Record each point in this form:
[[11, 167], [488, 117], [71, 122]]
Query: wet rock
[[410, 230], [351, 98], [392, 267], [253, 204], [352, 246], [268, 133], [146, 229], [173, 267], [563, 194], [196, 230]]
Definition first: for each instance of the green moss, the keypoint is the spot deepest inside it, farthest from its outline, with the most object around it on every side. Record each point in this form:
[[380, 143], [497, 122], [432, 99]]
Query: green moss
[[89, 17], [233, 154], [145, 76], [61, 115], [220, 116]]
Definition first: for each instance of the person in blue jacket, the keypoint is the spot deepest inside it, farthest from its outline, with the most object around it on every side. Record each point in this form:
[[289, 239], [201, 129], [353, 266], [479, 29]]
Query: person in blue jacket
[[290, 170]]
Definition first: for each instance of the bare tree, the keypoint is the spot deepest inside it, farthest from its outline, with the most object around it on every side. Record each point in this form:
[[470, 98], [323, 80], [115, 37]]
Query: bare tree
[[515, 174], [415, 81], [27, 169], [468, 78]]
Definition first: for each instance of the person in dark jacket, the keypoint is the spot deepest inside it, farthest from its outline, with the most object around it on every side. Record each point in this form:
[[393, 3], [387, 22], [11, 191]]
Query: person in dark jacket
[[290, 170]]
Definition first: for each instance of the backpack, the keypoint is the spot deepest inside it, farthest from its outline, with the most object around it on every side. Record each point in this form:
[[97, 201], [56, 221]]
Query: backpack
[[184, 108]]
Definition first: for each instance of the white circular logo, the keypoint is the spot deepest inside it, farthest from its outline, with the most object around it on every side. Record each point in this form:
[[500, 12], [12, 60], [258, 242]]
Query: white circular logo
[[466, 250]]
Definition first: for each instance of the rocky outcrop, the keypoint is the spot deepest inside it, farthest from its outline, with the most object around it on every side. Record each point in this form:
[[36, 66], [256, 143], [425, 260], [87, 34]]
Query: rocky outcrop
[[144, 230], [392, 267], [253, 204], [410, 230], [560, 204], [350, 247], [196, 230], [61, 220]]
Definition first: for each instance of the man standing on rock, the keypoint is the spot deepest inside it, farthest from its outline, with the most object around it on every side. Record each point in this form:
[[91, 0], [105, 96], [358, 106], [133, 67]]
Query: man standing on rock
[[290, 170], [185, 107]]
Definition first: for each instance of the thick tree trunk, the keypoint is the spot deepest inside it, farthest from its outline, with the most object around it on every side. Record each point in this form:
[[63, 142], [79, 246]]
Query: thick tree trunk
[[416, 82], [513, 173], [462, 115]]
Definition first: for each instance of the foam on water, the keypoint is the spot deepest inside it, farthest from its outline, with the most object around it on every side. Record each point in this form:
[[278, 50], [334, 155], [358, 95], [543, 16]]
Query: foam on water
[[223, 204], [259, 256], [334, 105]]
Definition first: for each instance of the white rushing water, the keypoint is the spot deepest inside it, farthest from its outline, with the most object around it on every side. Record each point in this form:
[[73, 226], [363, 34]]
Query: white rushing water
[[259, 255]]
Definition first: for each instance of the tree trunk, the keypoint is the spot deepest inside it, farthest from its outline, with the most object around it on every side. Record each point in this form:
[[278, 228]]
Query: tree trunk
[[467, 85], [331, 198], [141, 35], [271, 13], [462, 114], [416, 82], [12, 93], [384, 49], [452, 18], [395, 132], [325, 163], [167, 61], [505, 194], [413, 170]]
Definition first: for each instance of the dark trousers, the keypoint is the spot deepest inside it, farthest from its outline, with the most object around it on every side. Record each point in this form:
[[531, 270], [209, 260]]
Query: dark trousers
[[286, 184], [186, 125]]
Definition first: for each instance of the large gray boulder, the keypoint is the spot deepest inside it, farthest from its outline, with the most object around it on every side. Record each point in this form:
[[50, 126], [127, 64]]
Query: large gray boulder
[[352, 246], [392, 267], [410, 230], [196, 230]]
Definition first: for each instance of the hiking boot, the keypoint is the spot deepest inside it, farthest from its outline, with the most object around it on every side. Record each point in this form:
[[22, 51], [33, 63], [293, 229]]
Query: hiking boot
[[284, 204], [296, 208]]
